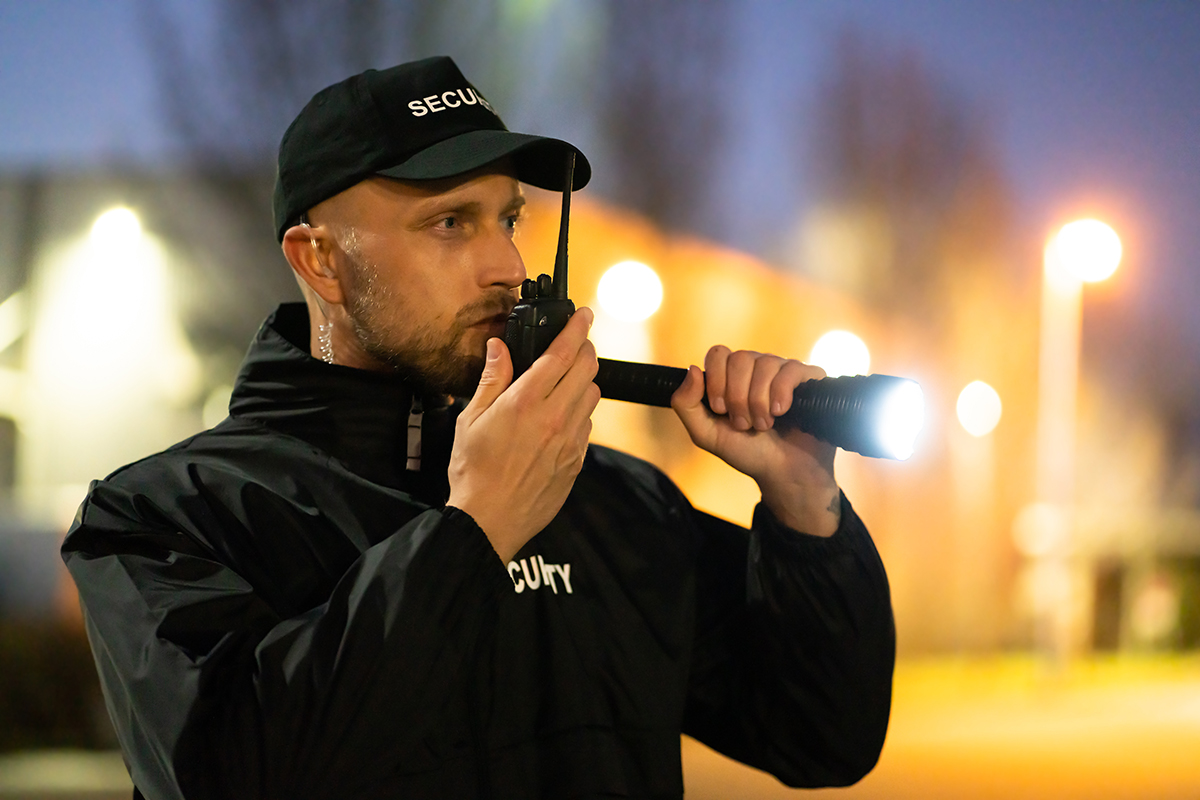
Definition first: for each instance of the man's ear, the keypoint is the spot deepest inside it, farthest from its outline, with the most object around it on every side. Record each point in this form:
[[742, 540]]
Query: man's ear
[[308, 250]]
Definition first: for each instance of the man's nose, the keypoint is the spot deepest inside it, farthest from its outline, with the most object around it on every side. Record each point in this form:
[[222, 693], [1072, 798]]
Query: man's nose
[[504, 267]]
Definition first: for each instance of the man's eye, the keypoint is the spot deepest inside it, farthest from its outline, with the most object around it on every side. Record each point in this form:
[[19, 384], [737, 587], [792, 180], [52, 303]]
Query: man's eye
[[511, 222], [448, 222]]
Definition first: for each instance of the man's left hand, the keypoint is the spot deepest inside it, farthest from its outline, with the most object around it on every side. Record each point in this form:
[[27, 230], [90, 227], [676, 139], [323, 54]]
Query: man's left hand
[[746, 392]]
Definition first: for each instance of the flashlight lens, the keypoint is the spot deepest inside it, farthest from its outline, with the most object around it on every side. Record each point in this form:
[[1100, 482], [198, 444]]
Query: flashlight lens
[[901, 415]]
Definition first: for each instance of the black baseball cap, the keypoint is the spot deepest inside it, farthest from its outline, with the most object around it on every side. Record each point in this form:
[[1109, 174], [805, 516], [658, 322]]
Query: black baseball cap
[[416, 121]]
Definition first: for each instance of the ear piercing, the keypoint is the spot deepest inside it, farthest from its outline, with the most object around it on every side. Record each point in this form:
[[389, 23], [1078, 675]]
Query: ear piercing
[[325, 341]]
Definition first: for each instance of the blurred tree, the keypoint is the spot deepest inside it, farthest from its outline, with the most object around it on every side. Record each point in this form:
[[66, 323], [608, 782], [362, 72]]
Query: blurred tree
[[662, 97], [232, 75], [910, 182], [230, 92]]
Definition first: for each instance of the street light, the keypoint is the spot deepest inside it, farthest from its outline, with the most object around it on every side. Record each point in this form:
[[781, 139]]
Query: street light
[[1085, 250], [628, 294], [1088, 249], [1082, 251], [117, 228], [841, 353], [978, 408], [630, 291], [103, 319]]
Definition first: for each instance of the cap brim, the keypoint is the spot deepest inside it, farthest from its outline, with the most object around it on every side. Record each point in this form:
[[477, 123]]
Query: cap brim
[[539, 161]]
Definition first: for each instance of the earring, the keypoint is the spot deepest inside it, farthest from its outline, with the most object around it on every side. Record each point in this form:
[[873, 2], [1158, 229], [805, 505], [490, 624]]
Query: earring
[[325, 341]]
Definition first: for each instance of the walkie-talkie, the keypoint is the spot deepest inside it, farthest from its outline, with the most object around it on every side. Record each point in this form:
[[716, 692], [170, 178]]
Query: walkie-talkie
[[875, 415], [544, 309]]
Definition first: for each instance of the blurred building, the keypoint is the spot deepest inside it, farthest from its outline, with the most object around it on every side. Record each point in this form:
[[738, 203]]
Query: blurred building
[[118, 341]]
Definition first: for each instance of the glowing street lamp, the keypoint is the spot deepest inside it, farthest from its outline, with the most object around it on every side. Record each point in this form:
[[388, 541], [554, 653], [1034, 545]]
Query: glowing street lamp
[[1085, 250], [841, 353], [628, 294], [978, 408], [630, 291], [1082, 251], [117, 228], [102, 319]]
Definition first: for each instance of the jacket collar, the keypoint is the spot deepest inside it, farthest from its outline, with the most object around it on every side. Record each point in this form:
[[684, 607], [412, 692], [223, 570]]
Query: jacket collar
[[357, 416]]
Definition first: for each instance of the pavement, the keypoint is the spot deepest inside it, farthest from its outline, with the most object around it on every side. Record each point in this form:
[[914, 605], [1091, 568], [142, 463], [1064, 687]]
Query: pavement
[[970, 729], [961, 729], [64, 775]]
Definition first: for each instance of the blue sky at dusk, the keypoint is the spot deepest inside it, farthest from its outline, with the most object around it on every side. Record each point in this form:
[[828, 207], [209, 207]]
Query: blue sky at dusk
[[1094, 105]]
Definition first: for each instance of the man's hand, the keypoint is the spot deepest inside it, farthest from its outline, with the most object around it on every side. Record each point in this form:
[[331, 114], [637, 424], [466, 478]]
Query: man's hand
[[518, 449], [746, 392]]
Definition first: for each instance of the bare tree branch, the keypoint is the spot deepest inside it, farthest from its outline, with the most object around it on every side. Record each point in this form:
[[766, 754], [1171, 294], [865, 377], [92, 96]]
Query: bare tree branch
[[912, 166], [661, 78]]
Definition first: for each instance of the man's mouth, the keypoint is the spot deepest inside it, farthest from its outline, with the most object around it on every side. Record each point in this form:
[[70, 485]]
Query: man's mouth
[[494, 314], [494, 323], [491, 314]]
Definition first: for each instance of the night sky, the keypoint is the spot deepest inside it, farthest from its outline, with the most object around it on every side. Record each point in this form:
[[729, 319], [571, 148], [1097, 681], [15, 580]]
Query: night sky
[[1095, 106]]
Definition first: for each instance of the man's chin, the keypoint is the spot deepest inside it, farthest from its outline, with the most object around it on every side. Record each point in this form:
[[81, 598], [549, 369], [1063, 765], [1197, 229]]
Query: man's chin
[[469, 384]]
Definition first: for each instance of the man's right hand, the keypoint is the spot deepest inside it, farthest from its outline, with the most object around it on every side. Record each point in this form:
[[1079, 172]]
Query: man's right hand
[[517, 450]]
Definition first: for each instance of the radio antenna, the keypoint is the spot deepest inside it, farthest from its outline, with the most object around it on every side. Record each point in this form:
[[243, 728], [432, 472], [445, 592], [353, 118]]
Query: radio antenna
[[559, 286]]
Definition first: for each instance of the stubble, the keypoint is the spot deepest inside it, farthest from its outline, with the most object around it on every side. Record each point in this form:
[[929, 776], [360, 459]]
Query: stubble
[[433, 358]]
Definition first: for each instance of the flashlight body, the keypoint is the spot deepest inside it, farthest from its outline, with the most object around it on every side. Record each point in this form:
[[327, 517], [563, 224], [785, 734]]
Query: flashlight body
[[836, 410]]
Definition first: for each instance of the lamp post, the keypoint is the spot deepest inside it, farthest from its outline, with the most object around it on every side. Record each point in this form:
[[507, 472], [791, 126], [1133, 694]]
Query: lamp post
[[1084, 251]]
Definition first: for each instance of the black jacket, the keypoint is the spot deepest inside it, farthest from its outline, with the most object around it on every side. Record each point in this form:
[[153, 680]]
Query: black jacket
[[278, 609]]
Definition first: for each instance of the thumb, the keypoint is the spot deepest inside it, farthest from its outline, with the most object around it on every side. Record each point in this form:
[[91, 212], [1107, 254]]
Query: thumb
[[497, 375], [688, 404]]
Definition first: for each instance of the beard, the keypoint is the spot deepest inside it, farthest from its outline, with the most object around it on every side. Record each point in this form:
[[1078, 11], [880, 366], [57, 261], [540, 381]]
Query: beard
[[433, 359]]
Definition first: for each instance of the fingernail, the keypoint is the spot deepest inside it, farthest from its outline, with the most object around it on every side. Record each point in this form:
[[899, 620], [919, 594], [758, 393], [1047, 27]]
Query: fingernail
[[718, 405], [493, 349], [776, 408], [760, 423], [741, 423]]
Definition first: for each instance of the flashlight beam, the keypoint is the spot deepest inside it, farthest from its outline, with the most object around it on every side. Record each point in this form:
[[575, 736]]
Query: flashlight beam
[[846, 411]]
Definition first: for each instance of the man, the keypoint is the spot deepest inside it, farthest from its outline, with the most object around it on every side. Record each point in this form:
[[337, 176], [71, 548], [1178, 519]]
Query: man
[[359, 585]]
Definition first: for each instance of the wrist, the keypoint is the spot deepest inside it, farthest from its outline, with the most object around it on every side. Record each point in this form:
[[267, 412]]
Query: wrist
[[505, 542], [813, 510]]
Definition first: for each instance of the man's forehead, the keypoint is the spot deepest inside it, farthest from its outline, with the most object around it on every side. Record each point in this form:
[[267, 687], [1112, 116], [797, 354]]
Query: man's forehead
[[494, 183]]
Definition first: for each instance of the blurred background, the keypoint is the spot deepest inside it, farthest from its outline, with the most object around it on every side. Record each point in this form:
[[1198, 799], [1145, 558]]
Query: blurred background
[[898, 175]]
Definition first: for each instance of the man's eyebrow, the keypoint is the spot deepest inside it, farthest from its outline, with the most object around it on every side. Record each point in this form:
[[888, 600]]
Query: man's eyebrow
[[435, 206]]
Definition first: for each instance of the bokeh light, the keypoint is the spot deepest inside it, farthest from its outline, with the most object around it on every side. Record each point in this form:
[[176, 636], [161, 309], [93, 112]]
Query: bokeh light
[[841, 353], [116, 228], [1041, 529], [978, 408], [1087, 249], [630, 291]]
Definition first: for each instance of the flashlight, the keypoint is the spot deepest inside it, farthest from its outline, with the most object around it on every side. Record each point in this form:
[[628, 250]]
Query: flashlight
[[875, 415]]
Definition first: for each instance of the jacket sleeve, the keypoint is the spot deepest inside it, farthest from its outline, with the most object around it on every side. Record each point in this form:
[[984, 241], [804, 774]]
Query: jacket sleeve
[[793, 659], [213, 694]]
